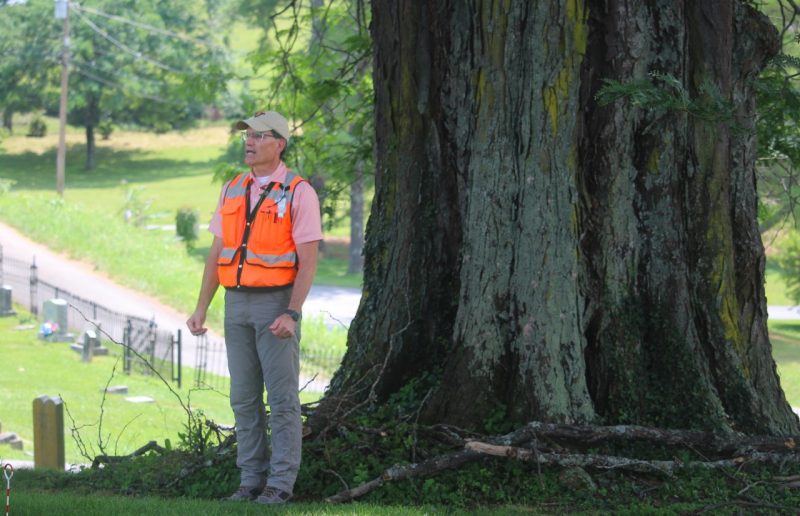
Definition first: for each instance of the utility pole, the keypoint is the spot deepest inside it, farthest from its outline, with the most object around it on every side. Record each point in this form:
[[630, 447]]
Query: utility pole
[[62, 12]]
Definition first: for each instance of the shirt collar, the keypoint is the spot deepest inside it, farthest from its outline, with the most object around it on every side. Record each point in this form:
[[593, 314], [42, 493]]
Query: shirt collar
[[278, 175]]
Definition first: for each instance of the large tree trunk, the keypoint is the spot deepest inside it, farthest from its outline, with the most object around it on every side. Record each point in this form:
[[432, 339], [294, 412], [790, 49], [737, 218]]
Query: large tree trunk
[[90, 147], [355, 264], [533, 255], [92, 118], [8, 119]]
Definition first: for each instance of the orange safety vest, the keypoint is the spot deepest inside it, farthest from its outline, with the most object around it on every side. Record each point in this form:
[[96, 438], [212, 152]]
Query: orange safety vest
[[258, 250]]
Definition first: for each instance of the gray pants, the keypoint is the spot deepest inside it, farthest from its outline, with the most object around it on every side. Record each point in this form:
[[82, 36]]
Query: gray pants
[[257, 358]]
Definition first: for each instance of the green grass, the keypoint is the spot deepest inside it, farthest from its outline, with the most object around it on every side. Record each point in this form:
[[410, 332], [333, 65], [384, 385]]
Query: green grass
[[148, 261], [66, 503], [126, 426], [785, 339], [775, 286]]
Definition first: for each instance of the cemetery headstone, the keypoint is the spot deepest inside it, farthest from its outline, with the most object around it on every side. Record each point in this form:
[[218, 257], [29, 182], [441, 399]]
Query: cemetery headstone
[[48, 432], [89, 346], [54, 313], [6, 307]]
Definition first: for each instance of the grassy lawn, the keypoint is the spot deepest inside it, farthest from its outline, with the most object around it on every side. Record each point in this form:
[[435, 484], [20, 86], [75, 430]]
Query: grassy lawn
[[126, 426], [775, 287], [785, 338], [66, 503]]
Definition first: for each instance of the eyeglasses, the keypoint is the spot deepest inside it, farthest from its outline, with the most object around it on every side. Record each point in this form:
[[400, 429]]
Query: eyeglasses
[[257, 136]]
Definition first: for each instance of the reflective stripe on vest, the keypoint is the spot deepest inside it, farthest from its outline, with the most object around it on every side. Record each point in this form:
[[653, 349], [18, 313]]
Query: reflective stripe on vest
[[227, 253], [273, 259]]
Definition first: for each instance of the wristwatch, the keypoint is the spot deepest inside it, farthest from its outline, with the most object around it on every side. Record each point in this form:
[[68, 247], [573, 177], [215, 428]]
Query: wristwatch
[[291, 313]]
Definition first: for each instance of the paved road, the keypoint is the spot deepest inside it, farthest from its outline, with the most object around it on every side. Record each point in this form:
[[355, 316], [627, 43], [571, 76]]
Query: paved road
[[337, 306], [334, 304]]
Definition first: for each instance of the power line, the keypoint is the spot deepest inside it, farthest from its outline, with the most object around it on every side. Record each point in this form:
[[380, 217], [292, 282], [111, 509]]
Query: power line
[[142, 25], [138, 78], [118, 86], [126, 48]]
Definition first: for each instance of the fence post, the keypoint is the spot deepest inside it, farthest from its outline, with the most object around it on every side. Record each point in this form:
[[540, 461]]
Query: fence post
[[126, 343], [180, 368], [34, 285], [199, 362], [48, 432], [152, 327]]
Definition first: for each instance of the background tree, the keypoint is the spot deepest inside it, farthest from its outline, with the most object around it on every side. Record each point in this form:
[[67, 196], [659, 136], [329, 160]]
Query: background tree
[[533, 254], [152, 64], [29, 55], [146, 63], [317, 56], [778, 97]]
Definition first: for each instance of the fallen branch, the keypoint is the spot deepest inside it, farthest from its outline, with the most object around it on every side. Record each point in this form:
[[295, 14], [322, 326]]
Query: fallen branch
[[613, 462], [593, 435], [108, 459], [395, 473]]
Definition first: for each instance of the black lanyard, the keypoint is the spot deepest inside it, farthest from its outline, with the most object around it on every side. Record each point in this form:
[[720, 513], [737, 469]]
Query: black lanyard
[[250, 215]]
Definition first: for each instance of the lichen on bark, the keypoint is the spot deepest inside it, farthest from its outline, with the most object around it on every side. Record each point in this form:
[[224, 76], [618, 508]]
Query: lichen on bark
[[531, 250]]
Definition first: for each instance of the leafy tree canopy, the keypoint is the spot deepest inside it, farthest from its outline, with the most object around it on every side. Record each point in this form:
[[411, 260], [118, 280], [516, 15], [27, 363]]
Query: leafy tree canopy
[[317, 58], [148, 63]]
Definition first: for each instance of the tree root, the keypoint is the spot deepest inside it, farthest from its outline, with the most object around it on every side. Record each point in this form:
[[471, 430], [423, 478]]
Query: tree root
[[667, 467], [594, 435], [526, 444]]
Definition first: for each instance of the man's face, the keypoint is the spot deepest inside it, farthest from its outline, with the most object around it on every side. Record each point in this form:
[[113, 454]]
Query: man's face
[[262, 148]]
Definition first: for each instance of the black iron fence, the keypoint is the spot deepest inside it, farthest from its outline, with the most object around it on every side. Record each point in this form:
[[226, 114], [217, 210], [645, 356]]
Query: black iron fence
[[145, 348]]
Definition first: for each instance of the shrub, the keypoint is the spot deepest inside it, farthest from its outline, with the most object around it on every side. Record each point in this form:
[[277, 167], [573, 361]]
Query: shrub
[[789, 263], [135, 209], [105, 128], [186, 225], [37, 128]]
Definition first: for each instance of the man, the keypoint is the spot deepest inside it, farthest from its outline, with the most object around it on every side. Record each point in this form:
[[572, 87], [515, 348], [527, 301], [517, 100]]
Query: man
[[266, 235]]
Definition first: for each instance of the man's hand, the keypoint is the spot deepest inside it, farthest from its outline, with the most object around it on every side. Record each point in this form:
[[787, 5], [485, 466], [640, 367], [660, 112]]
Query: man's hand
[[283, 326], [195, 322]]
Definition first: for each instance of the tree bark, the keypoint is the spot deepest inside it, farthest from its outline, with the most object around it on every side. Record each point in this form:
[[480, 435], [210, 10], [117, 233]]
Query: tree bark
[[532, 255]]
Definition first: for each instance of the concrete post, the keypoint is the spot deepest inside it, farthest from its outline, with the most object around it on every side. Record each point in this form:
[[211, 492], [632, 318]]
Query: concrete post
[[48, 432], [34, 281]]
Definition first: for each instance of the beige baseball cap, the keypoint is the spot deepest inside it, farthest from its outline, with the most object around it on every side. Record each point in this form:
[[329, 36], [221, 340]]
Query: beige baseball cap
[[266, 121]]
